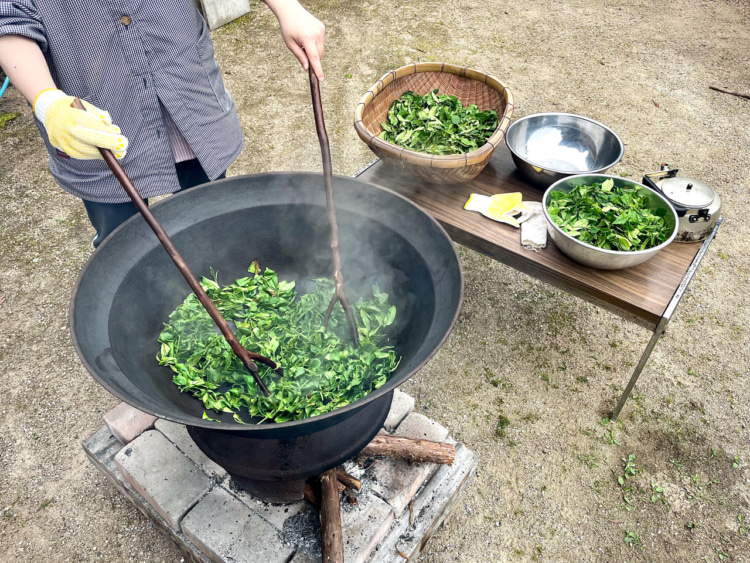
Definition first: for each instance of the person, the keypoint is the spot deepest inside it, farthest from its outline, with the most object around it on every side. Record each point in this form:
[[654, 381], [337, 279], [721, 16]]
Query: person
[[153, 91]]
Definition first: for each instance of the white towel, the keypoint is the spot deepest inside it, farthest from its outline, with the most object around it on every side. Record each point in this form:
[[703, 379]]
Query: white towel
[[534, 229]]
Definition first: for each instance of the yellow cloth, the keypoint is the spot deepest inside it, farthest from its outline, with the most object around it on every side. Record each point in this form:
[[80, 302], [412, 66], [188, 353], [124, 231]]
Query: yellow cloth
[[78, 133], [500, 207]]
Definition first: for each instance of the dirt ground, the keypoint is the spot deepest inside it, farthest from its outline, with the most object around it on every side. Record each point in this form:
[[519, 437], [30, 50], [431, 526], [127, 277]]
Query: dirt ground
[[529, 372]]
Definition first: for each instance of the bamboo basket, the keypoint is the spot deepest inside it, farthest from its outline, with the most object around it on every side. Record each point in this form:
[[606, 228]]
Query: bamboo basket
[[470, 86]]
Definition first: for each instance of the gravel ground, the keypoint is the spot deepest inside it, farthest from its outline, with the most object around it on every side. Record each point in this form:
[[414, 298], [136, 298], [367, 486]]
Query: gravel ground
[[529, 371]]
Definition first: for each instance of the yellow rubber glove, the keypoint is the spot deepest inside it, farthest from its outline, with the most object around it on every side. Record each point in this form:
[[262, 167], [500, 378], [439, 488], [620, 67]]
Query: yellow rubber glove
[[78, 133], [501, 207]]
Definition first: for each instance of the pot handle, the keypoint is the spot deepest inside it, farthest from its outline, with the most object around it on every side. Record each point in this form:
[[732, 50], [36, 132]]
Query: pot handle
[[681, 211]]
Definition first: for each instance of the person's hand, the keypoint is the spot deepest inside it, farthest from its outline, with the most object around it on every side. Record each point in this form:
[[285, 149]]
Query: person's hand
[[303, 33], [78, 133]]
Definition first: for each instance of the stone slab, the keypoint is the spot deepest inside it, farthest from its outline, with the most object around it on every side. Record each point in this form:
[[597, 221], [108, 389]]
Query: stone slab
[[221, 12], [397, 481], [401, 407], [164, 476], [227, 530], [178, 435], [127, 423]]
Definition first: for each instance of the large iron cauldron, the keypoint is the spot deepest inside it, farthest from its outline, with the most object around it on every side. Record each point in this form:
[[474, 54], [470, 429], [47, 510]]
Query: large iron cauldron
[[129, 287]]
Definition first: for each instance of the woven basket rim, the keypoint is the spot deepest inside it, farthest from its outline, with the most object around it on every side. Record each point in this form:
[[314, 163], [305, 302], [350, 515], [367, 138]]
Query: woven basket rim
[[414, 68]]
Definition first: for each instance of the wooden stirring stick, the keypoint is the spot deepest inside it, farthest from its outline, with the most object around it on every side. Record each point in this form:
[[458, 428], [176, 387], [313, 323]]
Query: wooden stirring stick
[[243, 354], [325, 149]]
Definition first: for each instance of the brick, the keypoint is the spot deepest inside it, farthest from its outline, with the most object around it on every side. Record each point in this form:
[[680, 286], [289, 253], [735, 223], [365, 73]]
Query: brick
[[397, 481], [418, 426], [178, 435], [225, 529], [274, 514], [127, 423], [163, 475], [101, 447], [363, 526], [432, 506], [435, 504], [401, 407]]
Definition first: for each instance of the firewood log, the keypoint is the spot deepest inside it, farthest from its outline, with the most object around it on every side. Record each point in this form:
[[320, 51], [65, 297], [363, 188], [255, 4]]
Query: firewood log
[[330, 519], [410, 449]]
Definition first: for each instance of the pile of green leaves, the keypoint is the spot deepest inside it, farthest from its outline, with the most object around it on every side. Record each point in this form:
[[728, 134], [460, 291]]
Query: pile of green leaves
[[322, 370], [609, 217], [437, 124]]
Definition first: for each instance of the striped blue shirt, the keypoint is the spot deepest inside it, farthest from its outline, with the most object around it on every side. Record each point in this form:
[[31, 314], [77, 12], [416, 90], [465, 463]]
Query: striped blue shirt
[[131, 57]]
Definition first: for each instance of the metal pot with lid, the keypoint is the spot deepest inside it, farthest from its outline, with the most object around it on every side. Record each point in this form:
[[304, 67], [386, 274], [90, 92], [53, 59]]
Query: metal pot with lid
[[698, 206]]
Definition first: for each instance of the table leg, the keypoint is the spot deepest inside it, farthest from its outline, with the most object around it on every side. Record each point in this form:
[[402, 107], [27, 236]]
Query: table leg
[[662, 324], [658, 331]]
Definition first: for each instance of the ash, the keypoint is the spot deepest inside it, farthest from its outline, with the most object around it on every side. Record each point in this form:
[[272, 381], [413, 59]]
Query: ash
[[303, 531]]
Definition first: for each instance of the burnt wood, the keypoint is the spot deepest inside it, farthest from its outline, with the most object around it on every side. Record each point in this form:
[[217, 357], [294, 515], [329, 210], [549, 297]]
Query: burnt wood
[[639, 294], [348, 480]]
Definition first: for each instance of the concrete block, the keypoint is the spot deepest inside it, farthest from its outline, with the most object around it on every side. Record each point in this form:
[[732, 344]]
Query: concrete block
[[397, 481], [178, 435], [127, 423], [221, 12], [363, 526], [401, 407], [163, 475], [225, 529]]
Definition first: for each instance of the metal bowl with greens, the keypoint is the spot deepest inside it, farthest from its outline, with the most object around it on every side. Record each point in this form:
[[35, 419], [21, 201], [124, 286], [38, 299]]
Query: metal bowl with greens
[[608, 222]]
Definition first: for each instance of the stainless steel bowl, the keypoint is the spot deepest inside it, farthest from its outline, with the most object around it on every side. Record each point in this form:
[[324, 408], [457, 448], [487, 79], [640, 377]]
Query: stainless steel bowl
[[601, 258], [549, 146]]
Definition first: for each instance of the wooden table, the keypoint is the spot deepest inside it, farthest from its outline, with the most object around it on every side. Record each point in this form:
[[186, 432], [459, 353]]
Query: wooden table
[[647, 294]]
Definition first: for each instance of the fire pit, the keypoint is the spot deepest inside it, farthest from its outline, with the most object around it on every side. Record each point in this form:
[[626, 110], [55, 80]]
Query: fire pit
[[129, 286]]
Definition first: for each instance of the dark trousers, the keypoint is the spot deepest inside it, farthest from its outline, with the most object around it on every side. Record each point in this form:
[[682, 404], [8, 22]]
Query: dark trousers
[[106, 217]]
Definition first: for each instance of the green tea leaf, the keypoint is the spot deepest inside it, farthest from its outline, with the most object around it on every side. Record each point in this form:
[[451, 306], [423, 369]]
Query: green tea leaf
[[437, 124], [609, 217], [322, 370]]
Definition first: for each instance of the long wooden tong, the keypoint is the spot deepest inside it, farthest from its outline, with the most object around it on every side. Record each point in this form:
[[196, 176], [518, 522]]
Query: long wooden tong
[[248, 358], [338, 277]]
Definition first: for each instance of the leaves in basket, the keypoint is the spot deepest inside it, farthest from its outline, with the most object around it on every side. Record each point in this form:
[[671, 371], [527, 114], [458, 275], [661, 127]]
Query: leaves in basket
[[437, 124], [322, 370], [608, 216]]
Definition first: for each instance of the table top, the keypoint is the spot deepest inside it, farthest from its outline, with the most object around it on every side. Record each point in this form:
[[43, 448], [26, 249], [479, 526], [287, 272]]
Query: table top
[[641, 293]]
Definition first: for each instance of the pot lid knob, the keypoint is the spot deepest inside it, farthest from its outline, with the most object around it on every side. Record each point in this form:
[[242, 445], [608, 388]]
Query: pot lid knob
[[687, 192]]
